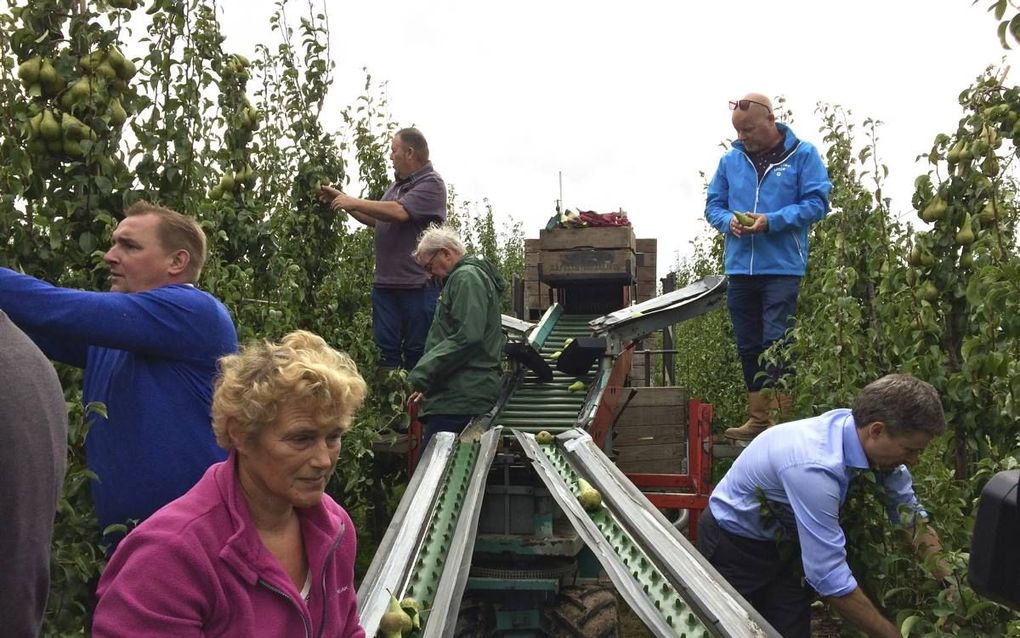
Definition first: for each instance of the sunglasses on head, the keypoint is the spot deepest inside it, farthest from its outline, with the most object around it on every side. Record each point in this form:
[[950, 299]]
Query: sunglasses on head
[[743, 105]]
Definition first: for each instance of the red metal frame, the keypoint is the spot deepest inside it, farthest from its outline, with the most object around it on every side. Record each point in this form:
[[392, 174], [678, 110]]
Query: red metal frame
[[606, 408], [696, 482], [688, 491]]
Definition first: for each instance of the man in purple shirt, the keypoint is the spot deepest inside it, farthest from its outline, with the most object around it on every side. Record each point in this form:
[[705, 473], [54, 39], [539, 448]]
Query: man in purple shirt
[[403, 296], [772, 523]]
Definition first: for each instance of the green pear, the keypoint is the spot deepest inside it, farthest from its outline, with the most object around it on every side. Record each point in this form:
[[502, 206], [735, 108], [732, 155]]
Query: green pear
[[953, 156], [743, 218], [28, 71], [117, 113], [915, 256], [935, 210], [91, 61], [106, 71], [49, 128], [577, 386], [49, 79], [72, 147], [34, 122], [987, 213], [413, 609], [544, 437], [965, 236], [589, 497], [395, 620], [74, 129]]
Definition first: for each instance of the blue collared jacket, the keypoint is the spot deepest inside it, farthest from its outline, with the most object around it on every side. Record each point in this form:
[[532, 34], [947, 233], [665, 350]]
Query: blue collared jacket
[[793, 194]]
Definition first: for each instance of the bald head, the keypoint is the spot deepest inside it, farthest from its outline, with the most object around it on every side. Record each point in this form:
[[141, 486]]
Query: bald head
[[755, 123], [758, 100]]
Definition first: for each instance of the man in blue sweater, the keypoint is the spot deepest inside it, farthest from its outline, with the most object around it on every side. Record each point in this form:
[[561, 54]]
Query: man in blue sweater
[[149, 349], [780, 186]]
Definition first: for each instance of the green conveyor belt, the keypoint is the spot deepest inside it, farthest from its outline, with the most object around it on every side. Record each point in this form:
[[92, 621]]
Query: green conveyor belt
[[549, 406]]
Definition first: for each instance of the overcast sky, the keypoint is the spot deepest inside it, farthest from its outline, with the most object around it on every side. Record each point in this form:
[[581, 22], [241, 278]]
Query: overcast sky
[[629, 100]]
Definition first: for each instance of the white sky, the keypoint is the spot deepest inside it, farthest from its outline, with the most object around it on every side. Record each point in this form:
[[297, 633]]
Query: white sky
[[628, 99]]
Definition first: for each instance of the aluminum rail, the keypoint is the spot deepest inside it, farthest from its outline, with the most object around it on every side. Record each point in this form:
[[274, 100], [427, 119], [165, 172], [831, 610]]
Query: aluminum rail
[[442, 619], [399, 545], [516, 325], [634, 322], [671, 588], [426, 551]]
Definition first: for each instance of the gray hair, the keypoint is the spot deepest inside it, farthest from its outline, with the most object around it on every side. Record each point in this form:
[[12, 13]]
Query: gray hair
[[903, 403], [436, 238]]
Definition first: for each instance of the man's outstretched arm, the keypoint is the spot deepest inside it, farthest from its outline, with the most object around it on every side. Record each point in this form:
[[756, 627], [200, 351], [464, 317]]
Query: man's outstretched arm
[[858, 609], [366, 211]]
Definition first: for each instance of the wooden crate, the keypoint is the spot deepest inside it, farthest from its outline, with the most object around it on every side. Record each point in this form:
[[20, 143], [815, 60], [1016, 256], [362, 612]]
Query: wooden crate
[[646, 289], [650, 434], [598, 237], [564, 266], [646, 269]]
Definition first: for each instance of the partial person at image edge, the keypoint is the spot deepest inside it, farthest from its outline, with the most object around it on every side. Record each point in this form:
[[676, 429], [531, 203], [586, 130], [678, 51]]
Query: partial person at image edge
[[33, 459]]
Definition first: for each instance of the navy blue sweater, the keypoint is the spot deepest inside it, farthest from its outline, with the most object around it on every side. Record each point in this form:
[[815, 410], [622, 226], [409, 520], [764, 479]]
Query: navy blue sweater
[[150, 358]]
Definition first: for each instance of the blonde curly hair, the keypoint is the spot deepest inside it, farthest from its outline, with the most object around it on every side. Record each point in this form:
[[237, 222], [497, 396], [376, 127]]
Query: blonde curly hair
[[300, 370]]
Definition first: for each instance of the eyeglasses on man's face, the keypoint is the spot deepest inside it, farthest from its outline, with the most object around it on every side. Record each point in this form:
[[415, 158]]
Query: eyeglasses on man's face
[[743, 105], [428, 264]]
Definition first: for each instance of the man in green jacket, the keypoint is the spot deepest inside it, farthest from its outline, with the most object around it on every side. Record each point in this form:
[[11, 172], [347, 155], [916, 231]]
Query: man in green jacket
[[458, 376]]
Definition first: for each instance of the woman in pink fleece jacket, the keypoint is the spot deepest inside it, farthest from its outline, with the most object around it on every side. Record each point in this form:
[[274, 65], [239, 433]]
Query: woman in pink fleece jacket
[[254, 548]]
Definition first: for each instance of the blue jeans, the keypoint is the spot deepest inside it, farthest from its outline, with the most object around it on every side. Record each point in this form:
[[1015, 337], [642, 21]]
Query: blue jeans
[[435, 423], [762, 308], [401, 318]]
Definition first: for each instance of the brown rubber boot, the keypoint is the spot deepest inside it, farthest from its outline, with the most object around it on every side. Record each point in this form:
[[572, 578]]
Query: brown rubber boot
[[758, 413], [782, 406]]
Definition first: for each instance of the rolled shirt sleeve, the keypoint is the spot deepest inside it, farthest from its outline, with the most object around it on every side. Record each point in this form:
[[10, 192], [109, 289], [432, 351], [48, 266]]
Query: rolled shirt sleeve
[[814, 495], [899, 488]]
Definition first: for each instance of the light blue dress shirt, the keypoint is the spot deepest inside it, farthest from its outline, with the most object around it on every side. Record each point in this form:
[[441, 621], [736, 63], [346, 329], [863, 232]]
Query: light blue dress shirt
[[802, 470]]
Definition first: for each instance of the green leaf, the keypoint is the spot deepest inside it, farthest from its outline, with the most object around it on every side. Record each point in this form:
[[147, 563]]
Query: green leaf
[[1014, 27], [999, 8], [1002, 34], [908, 625]]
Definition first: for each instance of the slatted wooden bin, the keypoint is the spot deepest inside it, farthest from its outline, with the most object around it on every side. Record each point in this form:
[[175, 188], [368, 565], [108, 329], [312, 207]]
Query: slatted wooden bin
[[650, 435]]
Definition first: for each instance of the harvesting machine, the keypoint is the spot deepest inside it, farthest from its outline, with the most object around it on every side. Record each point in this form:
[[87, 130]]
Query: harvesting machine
[[490, 536]]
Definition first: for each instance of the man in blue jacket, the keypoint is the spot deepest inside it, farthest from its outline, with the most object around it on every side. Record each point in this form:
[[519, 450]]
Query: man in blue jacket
[[780, 186], [149, 348]]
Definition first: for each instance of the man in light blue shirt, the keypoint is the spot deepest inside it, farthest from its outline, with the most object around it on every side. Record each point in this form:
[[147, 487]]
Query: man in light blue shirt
[[787, 488]]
